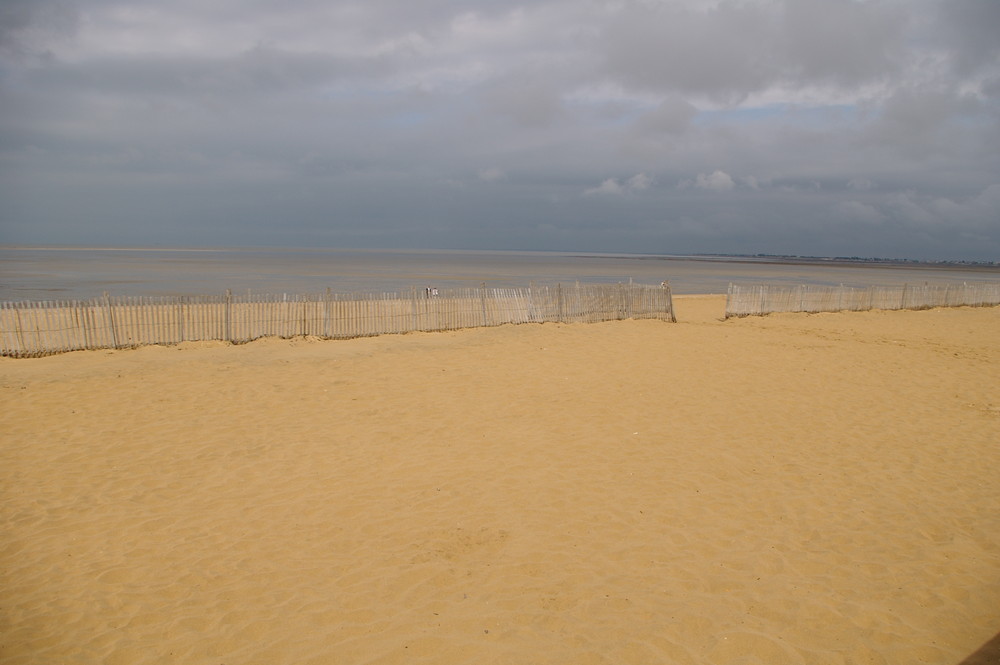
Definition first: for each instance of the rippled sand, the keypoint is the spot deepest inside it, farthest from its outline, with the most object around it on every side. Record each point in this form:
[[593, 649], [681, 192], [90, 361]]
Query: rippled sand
[[787, 489]]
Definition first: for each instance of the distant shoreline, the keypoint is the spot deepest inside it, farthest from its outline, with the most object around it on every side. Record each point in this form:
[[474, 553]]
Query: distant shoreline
[[761, 259], [775, 259]]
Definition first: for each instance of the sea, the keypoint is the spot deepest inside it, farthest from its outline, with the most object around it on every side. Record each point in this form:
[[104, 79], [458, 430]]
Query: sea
[[69, 273]]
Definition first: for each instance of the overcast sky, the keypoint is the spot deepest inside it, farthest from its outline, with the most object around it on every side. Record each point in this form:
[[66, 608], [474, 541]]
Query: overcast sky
[[814, 127]]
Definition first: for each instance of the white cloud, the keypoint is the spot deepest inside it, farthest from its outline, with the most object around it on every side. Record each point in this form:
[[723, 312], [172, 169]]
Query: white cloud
[[611, 186], [718, 181], [638, 182]]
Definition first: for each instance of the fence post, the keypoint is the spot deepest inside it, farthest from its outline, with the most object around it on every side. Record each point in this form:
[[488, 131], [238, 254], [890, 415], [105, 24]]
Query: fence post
[[326, 313], [80, 317], [111, 319], [413, 302], [305, 321], [531, 302], [559, 300], [902, 302], [227, 321], [670, 299], [181, 313], [482, 300], [20, 334]]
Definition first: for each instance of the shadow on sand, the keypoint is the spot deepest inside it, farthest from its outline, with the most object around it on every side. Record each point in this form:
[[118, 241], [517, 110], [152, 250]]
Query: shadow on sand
[[988, 654]]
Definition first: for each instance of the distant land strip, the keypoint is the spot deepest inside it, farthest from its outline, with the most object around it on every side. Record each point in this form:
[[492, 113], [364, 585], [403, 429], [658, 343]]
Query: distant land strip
[[783, 259]]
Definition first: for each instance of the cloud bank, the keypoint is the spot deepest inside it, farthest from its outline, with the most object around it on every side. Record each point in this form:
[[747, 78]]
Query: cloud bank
[[835, 127]]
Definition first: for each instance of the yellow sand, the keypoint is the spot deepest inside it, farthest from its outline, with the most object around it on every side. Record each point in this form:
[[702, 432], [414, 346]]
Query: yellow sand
[[787, 489]]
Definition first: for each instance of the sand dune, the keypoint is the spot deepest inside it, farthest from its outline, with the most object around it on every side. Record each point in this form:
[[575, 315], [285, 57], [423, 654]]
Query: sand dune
[[787, 489]]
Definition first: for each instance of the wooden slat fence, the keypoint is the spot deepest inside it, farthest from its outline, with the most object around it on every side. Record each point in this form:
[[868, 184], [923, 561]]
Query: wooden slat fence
[[760, 299], [38, 328]]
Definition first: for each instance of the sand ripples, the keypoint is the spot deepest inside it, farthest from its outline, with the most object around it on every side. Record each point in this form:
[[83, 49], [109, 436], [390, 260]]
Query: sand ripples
[[783, 490]]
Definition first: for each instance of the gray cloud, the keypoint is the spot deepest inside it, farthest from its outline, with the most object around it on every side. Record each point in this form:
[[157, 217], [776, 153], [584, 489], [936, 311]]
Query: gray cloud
[[735, 49], [672, 116], [801, 126], [968, 35], [31, 27], [524, 98], [841, 41]]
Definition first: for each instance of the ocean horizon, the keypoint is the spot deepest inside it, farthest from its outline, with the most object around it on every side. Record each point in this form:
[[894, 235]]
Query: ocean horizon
[[67, 273]]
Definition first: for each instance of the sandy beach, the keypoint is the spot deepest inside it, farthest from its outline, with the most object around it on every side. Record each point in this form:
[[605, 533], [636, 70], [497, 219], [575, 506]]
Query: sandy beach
[[784, 489]]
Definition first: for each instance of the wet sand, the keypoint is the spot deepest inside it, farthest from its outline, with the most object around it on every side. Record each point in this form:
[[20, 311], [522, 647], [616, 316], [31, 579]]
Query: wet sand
[[786, 489]]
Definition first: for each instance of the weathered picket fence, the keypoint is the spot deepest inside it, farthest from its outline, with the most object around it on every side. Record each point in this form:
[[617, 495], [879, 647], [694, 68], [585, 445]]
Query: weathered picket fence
[[759, 299], [37, 328]]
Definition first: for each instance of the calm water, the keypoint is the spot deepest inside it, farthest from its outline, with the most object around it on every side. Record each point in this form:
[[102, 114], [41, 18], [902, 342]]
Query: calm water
[[54, 274]]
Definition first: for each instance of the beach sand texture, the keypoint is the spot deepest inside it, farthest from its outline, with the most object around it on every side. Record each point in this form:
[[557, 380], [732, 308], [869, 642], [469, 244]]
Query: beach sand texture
[[786, 489]]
